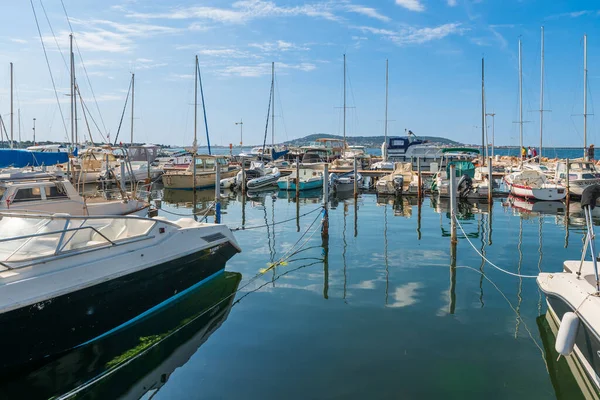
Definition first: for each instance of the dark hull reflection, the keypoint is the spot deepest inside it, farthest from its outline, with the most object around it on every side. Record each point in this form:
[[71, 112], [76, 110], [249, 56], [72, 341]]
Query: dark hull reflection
[[137, 359], [185, 198], [568, 379]]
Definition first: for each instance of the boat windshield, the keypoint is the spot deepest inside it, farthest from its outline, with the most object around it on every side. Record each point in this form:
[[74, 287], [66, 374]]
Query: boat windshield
[[27, 237]]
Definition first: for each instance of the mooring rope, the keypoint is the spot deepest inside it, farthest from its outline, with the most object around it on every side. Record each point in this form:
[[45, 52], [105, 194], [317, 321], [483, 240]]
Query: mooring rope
[[245, 228], [287, 256], [488, 261]]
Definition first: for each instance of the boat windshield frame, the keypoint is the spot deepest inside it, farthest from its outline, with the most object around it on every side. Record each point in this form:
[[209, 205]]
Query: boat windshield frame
[[66, 236]]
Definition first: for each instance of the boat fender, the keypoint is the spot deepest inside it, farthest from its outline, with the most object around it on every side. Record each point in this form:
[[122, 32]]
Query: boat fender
[[567, 332]]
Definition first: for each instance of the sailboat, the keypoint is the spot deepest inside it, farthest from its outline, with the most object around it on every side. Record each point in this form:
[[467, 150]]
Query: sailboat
[[271, 175], [531, 183], [202, 171], [581, 172]]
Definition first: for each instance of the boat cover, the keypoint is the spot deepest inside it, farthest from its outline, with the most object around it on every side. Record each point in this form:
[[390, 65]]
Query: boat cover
[[462, 168], [590, 195], [20, 158]]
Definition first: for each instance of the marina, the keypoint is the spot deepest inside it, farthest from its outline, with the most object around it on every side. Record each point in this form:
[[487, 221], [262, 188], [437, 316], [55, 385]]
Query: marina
[[380, 288], [150, 255]]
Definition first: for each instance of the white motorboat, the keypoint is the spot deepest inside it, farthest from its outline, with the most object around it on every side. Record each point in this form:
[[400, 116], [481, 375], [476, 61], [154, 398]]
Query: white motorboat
[[345, 181], [409, 148], [466, 186], [581, 175], [401, 181], [532, 184], [573, 297], [47, 193], [306, 179], [67, 281], [269, 179]]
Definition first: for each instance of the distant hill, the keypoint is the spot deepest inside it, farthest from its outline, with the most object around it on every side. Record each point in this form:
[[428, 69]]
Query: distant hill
[[367, 141]]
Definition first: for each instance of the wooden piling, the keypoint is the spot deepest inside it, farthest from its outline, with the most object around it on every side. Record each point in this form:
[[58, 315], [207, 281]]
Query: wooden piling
[[490, 182], [325, 228], [243, 183], [297, 179], [419, 180], [217, 192], [355, 178], [567, 185], [452, 179]]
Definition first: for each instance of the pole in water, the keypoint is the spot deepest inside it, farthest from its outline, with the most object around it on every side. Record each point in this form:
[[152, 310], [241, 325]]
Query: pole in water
[[325, 229], [453, 203], [490, 182], [297, 178], [217, 191], [568, 197], [243, 182], [194, 181], [452, 277], [355, 178], [419, 181]]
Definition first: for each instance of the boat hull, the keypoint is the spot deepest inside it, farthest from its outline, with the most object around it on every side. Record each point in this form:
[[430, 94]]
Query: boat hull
[[61, 323], [544, 193], [587, 342], [203, 180], [304, 185]]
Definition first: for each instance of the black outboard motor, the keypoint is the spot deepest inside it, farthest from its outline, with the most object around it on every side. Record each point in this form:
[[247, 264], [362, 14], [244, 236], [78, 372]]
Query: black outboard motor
[[464, 186]]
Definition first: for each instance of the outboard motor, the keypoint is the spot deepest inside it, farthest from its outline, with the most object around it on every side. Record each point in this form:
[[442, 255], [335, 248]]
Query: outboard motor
[[464, 186], [398, 184]]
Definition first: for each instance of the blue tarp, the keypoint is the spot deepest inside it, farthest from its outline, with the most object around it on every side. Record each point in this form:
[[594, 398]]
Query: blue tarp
[[19, 158]]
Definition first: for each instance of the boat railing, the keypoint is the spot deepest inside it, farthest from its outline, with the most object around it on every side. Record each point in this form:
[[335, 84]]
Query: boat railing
[[40, 245]]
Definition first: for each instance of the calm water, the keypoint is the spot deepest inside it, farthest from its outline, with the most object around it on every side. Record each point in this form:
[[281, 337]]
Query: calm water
[[377, 312]]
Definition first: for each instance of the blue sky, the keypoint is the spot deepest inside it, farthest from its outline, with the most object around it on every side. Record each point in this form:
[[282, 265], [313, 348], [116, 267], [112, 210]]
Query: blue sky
[[434, 49]]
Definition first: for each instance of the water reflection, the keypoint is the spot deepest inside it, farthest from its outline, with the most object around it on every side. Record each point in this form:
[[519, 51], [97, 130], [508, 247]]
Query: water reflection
[[137, 359]]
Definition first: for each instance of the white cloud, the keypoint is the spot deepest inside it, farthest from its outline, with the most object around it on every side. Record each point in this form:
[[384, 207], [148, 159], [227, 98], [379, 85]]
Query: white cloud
[[243, 11], [16, 40], [573, 14], [452, 3], [405, 295], [66, 100], [412, 35], [368, 11], [279, 45], [412, 5], [262, 69], [109, 36]]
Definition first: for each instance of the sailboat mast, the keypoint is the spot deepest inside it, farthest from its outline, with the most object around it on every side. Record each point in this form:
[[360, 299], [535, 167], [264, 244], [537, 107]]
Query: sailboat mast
[[132, 103], [344, 102], [541, 98], [520, 103], [19, 122], [11, 107], [72, 90], [483, 146], [195, 143], [585, 97], [272, 107], [385, 129]]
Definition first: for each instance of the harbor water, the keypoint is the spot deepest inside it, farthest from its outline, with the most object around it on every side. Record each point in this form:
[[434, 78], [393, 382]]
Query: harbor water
[[379, 309]]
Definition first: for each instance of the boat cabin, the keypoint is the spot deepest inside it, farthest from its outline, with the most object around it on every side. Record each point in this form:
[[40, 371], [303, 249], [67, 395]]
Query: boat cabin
[[206, 163]]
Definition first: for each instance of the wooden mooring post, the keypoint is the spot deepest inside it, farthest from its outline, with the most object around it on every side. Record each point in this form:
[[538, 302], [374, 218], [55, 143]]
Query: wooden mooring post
[[490, 182], [243, 183], [325, 228], [419, 180], [355, 178], [217, 192], [297, 178], [452, 179], [567, 185]]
